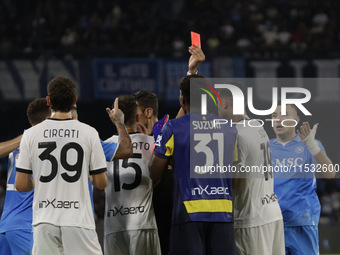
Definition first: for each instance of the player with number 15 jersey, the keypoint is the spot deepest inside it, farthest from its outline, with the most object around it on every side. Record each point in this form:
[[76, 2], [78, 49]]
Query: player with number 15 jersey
[[130, 224], [129, 191]]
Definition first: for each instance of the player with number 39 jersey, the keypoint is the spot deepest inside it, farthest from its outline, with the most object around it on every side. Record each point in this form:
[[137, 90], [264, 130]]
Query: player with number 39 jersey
[[62, 153], [65, 200]]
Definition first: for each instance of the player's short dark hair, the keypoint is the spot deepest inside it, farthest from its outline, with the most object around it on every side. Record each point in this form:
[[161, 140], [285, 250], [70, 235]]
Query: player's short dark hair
[[127, 104], [37, 111], [62, 92], [185, 87], [146, 99]]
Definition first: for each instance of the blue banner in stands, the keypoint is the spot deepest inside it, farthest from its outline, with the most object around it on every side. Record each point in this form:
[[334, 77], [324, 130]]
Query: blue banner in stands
[[114, 77], [174, 70]]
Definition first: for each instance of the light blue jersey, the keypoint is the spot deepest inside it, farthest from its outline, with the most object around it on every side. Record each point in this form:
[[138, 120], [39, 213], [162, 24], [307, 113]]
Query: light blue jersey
[[110, 149], [17, 213], [297, 194], [16, 228]]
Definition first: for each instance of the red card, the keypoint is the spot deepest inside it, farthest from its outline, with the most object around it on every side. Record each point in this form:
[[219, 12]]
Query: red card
[[195, 39]]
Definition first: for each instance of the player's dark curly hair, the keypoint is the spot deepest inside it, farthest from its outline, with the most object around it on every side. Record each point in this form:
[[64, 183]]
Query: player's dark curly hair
[[62, 92], [146, 99], [185, 88], [37, 111], [127, 104]]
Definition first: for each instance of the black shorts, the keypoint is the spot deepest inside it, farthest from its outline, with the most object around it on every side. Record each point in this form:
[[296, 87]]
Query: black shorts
[[202, 238]]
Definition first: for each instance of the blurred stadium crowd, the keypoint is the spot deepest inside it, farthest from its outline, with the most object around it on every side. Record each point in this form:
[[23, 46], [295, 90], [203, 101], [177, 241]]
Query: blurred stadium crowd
[[145, 28]]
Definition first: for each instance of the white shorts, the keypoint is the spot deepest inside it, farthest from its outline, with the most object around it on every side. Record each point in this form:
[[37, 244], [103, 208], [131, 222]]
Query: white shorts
[[267, 239], [50, 239], [132, 242]]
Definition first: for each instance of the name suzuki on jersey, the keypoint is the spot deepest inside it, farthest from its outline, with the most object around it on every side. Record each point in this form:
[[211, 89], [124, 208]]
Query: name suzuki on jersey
[[59, 204], [210, 190], [205, 124], [125, 210]]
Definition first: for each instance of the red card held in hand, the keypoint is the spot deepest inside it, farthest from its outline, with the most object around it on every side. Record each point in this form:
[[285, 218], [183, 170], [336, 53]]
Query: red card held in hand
[[195, 39]]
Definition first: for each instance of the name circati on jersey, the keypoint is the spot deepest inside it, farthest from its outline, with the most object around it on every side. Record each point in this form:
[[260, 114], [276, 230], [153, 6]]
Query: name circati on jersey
[[70, 133]]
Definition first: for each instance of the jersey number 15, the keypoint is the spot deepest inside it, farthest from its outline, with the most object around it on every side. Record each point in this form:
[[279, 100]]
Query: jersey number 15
[[127, 164]]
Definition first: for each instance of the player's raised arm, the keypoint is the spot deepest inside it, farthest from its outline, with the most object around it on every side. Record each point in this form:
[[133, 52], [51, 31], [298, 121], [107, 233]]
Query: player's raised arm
[[9, 146], [125, 146], [307, 135], [196, 58]]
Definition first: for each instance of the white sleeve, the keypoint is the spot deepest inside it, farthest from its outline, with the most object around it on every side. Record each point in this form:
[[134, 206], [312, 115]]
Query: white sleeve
[[24, 162], [97, 159]]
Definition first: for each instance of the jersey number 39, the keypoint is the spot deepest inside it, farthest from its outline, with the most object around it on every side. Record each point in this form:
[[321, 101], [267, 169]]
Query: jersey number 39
[[76, 167]]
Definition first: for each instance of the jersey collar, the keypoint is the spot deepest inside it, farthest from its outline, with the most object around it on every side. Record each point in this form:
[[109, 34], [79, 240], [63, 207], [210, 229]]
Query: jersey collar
[[296, 139]]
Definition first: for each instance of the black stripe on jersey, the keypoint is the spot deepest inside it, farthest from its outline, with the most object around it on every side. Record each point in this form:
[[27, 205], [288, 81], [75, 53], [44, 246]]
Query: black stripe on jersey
[[26, 171], [98, 171], [60, 119], [160, 155]]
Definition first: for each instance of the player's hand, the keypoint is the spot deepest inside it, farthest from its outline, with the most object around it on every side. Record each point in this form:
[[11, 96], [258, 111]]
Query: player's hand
[[196, 58], [307, 136], [305, 130], [116, 115], [142, 129], [157, 127]]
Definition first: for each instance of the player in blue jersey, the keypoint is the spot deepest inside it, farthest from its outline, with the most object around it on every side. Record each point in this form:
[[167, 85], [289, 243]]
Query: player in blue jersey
[[202, 221], [293, 156], [147, 109], [17, 215], [9, 146], [16, 220]]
